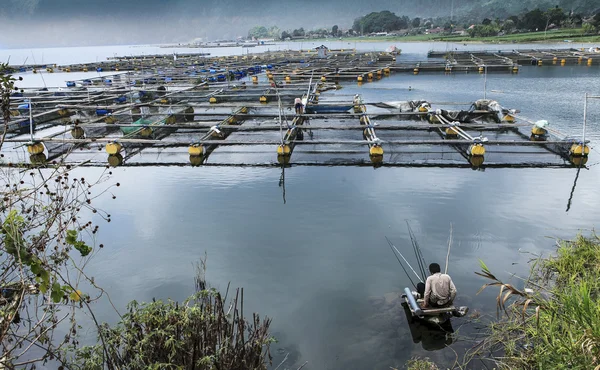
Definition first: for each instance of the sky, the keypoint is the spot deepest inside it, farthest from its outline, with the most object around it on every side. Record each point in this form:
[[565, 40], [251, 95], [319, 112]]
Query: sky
[[43, 23], [55, 23]]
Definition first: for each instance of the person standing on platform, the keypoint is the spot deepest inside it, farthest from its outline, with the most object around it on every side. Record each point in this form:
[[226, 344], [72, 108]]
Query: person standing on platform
[[299, 106]]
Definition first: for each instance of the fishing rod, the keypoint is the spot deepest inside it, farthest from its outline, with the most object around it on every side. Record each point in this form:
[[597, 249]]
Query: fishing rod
[[401, 265], [449, 245], [420, 260], [396, 253]]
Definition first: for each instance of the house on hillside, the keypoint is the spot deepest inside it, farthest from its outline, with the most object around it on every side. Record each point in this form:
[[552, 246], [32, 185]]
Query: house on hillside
[[459, 31], [433, 31]]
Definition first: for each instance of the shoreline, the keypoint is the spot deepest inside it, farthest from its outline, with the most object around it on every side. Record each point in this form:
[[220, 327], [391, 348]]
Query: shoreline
[[468, 42], [566, 37]]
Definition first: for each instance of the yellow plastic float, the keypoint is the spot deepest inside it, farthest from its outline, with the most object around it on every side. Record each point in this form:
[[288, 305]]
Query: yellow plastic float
[[113, 148]]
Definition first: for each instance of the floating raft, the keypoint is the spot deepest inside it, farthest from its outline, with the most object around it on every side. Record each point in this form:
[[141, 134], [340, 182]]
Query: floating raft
[[239, 110], [538, 57]]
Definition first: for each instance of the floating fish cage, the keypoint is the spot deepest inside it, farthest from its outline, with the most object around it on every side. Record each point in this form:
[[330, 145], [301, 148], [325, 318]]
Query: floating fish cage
[[535, 57], [240, 110]]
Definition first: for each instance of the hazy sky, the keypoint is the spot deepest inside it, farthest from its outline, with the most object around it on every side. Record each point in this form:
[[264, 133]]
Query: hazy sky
[[31, 23]]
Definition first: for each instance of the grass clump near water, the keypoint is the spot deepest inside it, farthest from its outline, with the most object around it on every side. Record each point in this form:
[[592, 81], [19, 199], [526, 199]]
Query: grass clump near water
[[205, 332], [420, 364], [555, 323]]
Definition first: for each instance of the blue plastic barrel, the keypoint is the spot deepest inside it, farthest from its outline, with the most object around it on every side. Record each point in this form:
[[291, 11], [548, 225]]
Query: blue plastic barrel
[[412, 302]]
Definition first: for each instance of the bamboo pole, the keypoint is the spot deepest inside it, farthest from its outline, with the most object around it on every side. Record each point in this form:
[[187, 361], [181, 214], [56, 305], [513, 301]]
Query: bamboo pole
[[267, 126], [355, 163], [275, 142]]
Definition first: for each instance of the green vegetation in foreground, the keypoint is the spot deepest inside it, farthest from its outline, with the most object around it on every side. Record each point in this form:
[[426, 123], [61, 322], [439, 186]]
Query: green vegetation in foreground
[[420, 364], [204, 332], [558, 325]]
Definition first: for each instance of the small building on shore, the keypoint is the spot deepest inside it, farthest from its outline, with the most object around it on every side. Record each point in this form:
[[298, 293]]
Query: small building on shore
[[322, 51]]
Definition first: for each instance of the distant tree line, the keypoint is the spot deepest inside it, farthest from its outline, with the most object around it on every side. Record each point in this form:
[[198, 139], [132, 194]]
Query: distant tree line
[[387, 21], [384, 21], [535, 20], [264, 32]]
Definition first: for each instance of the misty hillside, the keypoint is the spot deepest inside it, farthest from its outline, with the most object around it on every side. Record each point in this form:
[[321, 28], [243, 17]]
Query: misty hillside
[[343, 10], [505, 8], [96, 22]]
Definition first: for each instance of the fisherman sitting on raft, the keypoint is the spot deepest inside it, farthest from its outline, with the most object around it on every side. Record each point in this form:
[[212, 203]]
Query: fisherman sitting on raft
[[439, 290]]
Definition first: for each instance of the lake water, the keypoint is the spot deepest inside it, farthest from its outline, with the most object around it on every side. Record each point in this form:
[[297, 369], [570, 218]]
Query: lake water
[[318, 263]]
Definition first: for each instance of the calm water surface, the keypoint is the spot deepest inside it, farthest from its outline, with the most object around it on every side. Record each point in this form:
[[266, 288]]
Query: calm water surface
[[318, 263]]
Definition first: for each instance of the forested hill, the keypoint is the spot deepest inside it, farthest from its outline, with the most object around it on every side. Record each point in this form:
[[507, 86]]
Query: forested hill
[[465, 8], [505, 8]]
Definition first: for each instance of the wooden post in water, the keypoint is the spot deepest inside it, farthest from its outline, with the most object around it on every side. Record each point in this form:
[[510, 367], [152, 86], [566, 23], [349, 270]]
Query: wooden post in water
[[584, 121], [485, 81], [31, 118]]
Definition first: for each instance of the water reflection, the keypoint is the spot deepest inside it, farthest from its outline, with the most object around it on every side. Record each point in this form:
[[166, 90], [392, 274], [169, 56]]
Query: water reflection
[[115, 160], [282, 182], [38, 159], [196, 160], [431, 337], [315, 278], [579, 166]]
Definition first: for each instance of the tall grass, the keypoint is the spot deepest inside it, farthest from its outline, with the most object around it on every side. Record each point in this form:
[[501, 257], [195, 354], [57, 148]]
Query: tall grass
[[558, 325], [420, 364]]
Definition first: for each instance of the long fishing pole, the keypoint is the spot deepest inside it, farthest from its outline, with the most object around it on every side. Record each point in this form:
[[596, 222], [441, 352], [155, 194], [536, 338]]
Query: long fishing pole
[[400, 262], [449, 245], [420, 260], [412, 240], [397, 251], [420, 256]]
